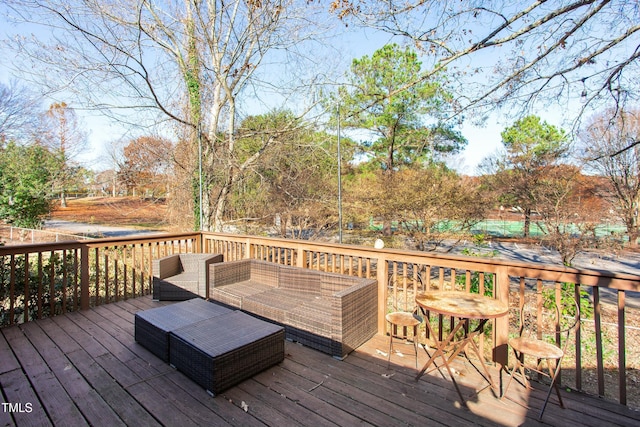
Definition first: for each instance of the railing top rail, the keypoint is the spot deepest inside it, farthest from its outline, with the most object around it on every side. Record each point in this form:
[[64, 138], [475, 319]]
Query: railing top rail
[[148, 238], [550, 272], [40, 247], [96, 243], [621, 281]]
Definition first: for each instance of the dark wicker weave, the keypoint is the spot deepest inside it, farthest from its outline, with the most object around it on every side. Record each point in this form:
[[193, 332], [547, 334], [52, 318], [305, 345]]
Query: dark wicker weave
[[330, 312], [152, 327], [223, 351], [182, 276]]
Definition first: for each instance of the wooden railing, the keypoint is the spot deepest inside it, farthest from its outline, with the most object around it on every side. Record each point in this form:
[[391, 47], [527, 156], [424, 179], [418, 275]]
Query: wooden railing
[[49, 279], [43, 280], [599, 361]]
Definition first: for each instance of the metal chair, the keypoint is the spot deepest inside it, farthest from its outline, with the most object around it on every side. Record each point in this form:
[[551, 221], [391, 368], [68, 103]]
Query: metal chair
[[530, 343], [404, 319]]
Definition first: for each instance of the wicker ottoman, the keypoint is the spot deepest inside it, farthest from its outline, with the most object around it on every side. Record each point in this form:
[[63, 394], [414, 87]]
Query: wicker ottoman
[[152, 327], [223, 351]]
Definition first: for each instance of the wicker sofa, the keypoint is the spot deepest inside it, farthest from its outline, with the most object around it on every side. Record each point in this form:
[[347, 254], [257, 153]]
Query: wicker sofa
[[330, 312], [181, 277]]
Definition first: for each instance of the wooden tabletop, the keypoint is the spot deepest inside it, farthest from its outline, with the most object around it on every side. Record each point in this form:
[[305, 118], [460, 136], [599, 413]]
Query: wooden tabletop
[[462, 304]]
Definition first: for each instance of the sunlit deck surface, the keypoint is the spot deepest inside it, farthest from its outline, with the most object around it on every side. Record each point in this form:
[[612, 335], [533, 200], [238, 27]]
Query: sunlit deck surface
[[85, 368]]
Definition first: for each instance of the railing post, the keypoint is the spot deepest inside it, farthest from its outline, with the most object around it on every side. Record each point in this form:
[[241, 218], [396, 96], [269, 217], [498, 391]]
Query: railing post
[[382, 273], [501, 350], [301, 257], [200, 243], [84, 278], [249, 250]]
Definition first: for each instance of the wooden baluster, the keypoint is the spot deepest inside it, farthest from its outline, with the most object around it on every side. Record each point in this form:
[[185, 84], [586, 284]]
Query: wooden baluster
[[107, 282], [76, 273], [467, 281], [116, 282], [597, 318], [64, 280], [52, 284], [40, 285], [12, 289], [622, 360], [133, 271], [26, 288], [578, 340]]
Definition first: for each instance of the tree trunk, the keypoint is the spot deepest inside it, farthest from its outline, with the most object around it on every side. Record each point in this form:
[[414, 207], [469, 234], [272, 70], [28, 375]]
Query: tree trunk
[[632, 231], [386, 227], [527, 222]]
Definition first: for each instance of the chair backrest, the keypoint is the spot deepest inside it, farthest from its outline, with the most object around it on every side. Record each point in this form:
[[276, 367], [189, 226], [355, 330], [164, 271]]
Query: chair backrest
[[549, 322], [403, 286]]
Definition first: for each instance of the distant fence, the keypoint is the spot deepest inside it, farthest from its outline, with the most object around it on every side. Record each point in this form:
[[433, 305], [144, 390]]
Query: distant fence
[[512, 228], [17, 236]]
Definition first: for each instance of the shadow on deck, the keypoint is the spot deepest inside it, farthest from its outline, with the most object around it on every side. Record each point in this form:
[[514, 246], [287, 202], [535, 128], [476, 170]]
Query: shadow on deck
[[85, 368]]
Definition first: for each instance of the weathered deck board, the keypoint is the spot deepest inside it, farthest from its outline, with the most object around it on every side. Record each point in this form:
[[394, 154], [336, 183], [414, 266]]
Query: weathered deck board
[[85, 368], [60, 406], [89, 402]]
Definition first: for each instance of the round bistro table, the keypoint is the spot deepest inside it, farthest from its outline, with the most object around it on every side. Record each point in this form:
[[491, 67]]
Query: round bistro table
[[462, 307]]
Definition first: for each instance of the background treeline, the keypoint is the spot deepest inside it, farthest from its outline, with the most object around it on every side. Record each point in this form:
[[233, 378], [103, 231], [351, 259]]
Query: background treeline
[[280, 174]]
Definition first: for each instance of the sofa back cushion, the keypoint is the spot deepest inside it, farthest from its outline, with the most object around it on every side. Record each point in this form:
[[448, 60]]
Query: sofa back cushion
[[300, 280], [226, 273], [266, 273], [333, 283], [191, 262]]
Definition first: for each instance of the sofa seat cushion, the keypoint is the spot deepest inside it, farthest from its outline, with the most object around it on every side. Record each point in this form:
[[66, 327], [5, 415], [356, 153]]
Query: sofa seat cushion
[[188, 278], [274, 304], [235, 293], [312, 316], [182, 286]]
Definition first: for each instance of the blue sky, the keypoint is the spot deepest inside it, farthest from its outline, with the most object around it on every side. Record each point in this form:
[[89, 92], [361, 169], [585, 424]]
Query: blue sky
[[483, 141]]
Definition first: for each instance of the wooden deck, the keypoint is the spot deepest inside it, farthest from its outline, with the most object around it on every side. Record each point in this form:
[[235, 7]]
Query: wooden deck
[[85, 368]]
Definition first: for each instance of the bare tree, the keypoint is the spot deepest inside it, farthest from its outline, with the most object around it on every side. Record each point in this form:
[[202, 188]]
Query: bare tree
[[520, 52], [605, 142], [65, 137], [190, 61], [19, 112]]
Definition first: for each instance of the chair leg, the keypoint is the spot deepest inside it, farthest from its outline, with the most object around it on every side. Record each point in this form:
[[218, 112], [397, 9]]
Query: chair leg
[[555, 373], [504, 392], [391, 331], [415, 343], [524, 376], [519, 365], [554, 384]]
